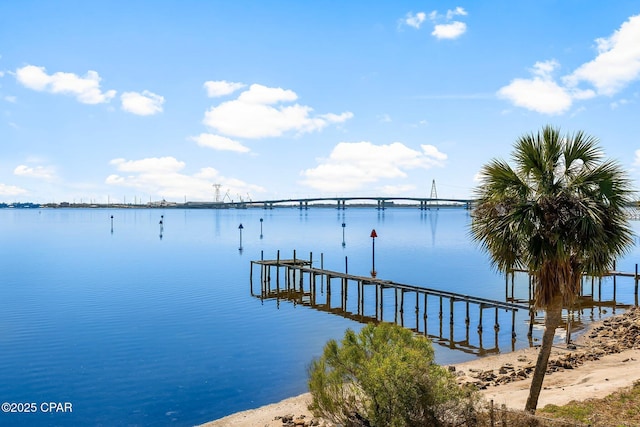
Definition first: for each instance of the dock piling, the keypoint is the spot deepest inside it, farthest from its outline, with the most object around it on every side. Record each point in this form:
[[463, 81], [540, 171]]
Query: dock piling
[[296, 292]]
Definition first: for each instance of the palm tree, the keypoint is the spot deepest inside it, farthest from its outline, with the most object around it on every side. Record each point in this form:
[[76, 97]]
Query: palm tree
[[559, 213]]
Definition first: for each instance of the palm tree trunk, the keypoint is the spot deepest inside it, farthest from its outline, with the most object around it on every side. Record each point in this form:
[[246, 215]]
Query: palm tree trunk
[[553, 318]]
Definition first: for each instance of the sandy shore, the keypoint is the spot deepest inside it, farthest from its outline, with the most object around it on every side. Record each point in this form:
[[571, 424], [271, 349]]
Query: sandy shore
[[603, 360]]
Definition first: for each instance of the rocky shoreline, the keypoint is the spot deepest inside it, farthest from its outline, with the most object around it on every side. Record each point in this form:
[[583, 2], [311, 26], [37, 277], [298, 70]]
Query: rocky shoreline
[[611, 336]]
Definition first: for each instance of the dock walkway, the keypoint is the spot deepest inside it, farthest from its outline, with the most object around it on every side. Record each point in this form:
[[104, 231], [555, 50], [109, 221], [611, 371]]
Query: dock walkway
[[371, 299]]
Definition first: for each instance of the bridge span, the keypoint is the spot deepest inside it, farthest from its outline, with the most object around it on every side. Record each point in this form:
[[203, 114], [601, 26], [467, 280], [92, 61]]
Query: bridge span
[[379, 202]]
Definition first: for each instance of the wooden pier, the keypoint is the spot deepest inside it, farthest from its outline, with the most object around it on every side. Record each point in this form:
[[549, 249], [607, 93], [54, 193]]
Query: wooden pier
[[586, 299], [366, 299], [587, 288]]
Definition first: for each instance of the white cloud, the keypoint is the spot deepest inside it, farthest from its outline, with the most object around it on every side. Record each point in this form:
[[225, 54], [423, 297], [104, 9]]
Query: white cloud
[[617, 63], [637, 159], [10, 98], [149, 165], [351, 166], [86, 89], [258, 113], [395, 189], [11, 190], [537, 94], [416, 20], [545, 69], [259, 94], [143, 104], [40, 172], [218, 142], [457, 11], [540, 93], [444, 26], [385, 118], [616, 104], [582, 94], [452, 30], [221, 88], [432, 152], [163, 177]]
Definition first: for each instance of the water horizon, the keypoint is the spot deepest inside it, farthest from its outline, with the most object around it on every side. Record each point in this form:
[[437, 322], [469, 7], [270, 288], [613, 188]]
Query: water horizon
[[149, 317]]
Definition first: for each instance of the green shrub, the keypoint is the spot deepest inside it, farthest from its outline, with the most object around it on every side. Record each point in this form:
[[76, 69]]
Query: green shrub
[[384, 376]]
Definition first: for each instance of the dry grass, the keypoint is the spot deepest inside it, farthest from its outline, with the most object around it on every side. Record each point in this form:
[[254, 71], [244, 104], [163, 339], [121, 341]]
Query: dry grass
[[618, 409]]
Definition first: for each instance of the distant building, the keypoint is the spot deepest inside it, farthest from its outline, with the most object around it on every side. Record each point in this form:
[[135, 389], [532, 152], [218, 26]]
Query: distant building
[[162, 204]]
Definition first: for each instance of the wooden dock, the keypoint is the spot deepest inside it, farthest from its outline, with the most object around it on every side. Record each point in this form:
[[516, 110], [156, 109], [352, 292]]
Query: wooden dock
[[587, 299], [318, 288], [587, 288]]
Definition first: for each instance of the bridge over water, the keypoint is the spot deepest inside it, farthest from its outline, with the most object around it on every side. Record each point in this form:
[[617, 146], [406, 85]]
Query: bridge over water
[[380, 202]]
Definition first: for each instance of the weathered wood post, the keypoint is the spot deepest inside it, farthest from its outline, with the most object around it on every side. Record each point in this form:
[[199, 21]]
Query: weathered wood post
[[467, 320], [567, 338], [373, 252], [417, 310], [492, 415], [506, 285], [360, 303], [322, 268], [402, 307], [278, 269], [425, 315], [312, 277], [251, 276], [451, 301], [345, 291], [395, 314], [377, 298], [344, 284]]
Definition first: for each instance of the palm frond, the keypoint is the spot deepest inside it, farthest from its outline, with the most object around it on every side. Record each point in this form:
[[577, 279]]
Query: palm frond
[[558, 213]]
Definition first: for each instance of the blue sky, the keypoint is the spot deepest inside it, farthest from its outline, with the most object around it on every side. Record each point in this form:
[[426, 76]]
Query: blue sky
[[148, 100]]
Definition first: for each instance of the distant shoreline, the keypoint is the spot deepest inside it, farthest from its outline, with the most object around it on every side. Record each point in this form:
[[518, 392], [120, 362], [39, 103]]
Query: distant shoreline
[[207, 205]]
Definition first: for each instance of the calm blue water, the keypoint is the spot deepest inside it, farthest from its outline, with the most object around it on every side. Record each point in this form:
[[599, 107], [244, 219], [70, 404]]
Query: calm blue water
[[143, 326]]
